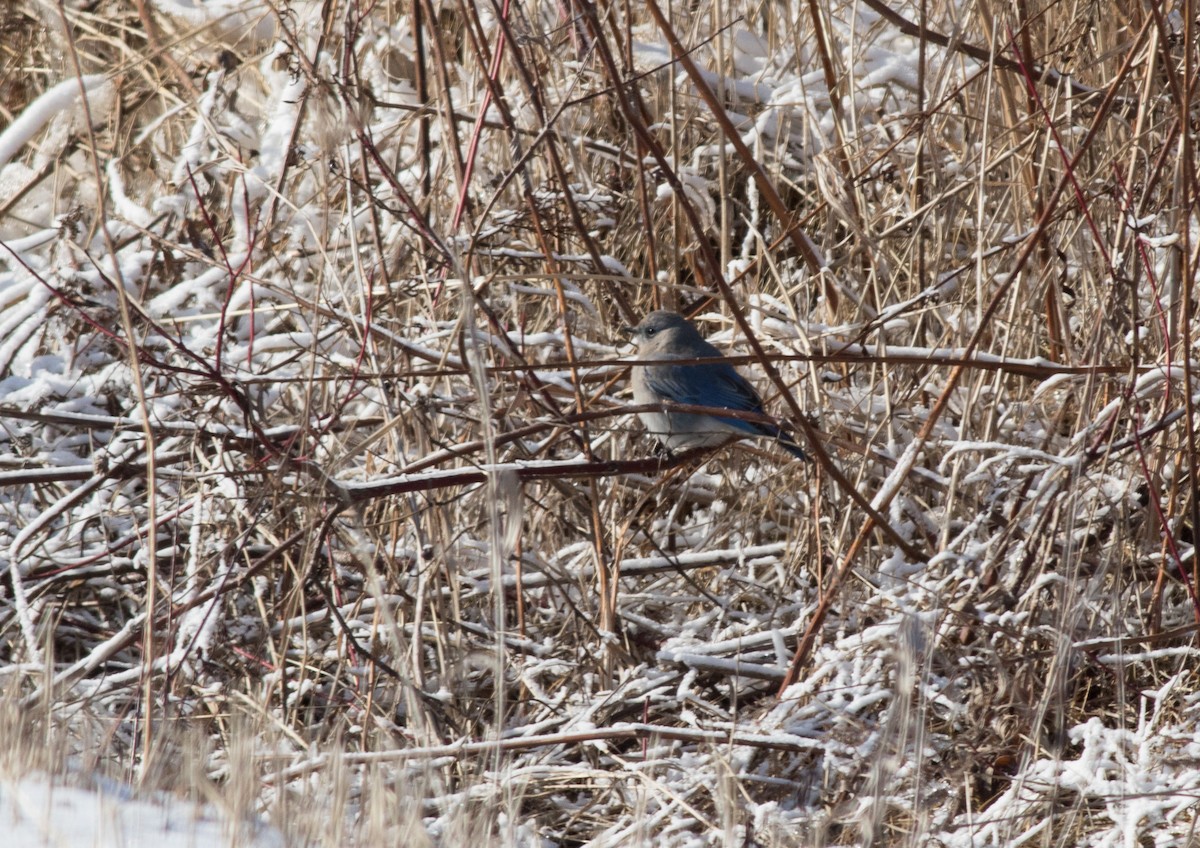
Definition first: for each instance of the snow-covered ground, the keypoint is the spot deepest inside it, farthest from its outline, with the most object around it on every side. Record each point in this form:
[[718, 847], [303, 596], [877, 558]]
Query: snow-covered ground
[[39, 811]]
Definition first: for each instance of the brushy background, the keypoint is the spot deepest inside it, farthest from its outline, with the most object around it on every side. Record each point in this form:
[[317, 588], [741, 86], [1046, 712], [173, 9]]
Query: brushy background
[[320, 500]]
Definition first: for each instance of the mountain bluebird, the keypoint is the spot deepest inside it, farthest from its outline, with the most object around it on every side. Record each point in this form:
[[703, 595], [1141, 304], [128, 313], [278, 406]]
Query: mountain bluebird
[[668, 335]]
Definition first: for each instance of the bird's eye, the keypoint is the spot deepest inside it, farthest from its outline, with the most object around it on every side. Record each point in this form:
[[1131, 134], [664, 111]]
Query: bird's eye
[[650, 331]]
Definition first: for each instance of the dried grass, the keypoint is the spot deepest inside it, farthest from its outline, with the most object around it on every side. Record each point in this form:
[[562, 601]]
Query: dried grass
[[419, 582]]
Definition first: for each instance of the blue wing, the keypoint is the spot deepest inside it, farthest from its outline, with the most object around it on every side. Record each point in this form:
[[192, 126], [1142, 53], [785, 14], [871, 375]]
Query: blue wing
[[717, 385]]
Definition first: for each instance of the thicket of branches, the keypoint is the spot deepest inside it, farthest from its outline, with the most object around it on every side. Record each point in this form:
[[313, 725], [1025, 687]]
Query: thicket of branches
[[319, 490]]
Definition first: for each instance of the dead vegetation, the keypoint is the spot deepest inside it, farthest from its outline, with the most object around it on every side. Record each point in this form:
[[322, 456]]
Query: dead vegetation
[[321, 500]]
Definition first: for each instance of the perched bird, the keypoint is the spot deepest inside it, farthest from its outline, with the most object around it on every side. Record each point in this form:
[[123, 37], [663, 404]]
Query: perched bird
[[665, 335]]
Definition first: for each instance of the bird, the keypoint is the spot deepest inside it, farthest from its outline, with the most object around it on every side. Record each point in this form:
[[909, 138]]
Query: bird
[[667, 335]]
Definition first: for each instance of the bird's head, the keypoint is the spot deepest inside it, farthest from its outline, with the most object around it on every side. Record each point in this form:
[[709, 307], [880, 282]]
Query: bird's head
[[663, 332]]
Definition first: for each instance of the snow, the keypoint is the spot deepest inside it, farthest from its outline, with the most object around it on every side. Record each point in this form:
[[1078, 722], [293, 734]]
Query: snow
[[59, 103], [41, 812]]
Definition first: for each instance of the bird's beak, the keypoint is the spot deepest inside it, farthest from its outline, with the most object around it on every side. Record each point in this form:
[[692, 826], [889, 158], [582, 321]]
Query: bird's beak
[[628, 332]]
